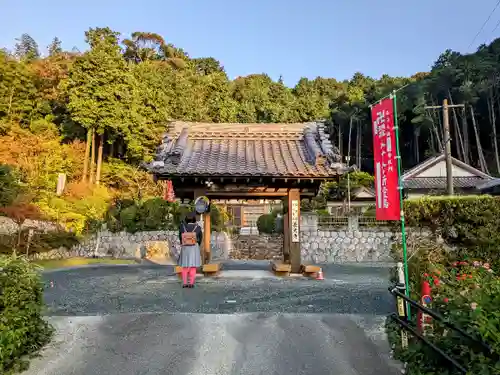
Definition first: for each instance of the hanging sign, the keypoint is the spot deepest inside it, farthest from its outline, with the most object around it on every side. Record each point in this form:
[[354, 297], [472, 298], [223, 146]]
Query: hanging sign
[[388, 206], [202, 205], [294, 225]]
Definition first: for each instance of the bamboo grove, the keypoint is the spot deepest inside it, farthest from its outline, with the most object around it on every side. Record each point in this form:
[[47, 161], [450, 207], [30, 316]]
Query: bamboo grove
[[115, 100]]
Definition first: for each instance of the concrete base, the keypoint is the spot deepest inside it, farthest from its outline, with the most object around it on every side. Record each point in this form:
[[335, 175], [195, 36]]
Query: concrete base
[[211, 269], [281, 269], [309, 270]]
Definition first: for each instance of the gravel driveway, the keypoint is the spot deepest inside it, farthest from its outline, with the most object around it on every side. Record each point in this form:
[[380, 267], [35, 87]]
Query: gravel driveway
[[128, 320]]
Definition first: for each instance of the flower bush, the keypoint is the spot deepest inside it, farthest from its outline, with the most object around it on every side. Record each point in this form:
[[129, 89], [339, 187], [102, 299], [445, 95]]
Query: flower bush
[[467, 294]]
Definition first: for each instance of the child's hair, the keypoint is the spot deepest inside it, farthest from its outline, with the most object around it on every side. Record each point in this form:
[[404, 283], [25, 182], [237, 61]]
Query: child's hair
[[190, 218]]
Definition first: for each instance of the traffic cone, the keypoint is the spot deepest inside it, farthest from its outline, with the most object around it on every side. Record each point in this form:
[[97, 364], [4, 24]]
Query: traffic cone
[[320, 275]]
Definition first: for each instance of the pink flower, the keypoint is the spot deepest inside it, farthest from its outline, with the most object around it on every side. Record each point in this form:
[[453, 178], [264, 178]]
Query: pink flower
[[446, 300], [473, 305], [487, 266]]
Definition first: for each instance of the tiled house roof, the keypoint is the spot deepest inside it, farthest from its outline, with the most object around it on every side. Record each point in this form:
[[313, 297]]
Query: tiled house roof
[[412, 178], [440, 182], [246, 150]]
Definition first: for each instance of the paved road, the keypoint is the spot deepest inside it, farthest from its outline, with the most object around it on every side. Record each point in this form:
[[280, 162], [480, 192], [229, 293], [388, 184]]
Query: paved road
[[137, 320]]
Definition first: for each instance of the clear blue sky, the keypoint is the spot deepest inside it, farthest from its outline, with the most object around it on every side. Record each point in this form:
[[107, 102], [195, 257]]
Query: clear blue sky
[[293, 38]]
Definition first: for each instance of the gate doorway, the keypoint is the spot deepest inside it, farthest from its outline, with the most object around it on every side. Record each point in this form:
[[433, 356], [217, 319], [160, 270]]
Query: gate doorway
[[246, 245], [246, 242]]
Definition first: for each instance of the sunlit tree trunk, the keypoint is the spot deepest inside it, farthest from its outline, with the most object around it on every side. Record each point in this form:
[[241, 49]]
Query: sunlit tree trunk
[[87, 155], [482, 161], [459, 145], [99, 159], [465, 131], [92, 158], [491, 110]]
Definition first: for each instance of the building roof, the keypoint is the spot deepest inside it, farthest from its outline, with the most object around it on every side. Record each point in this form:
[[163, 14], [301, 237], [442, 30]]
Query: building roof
[[440, 182], [489, 184], [413, 179], [246, 150]]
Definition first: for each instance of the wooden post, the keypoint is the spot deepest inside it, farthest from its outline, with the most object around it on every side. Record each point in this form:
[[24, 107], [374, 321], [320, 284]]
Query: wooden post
[[205, 248], [206, 239], [294, 229]]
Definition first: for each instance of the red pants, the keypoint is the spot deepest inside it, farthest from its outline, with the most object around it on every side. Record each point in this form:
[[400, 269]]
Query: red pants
[[192, 275]]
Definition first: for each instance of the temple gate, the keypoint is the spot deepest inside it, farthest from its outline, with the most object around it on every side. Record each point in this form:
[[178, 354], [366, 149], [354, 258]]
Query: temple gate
[[249, 162]]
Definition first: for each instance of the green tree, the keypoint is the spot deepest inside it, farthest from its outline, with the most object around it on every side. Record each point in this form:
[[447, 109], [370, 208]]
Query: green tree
[[102, 96], [17, 91], [26, 48], [55, 47]]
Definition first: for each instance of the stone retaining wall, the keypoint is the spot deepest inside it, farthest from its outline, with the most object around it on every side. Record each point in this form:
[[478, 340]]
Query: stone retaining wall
[[341, 246], [335, 245]]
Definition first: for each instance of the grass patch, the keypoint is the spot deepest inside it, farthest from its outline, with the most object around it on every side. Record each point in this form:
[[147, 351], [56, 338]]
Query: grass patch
[[72, 262]]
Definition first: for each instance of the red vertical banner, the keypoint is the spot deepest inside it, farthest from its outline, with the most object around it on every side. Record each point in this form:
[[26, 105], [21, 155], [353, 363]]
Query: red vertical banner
[[388, 205], [168, 191]]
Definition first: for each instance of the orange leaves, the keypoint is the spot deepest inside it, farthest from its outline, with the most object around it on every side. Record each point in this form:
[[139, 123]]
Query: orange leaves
[[79, 189], [49, 72], [21, 211], [40, 157]]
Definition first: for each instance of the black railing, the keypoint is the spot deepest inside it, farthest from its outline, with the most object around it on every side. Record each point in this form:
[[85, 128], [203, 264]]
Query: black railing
[[403, 322]]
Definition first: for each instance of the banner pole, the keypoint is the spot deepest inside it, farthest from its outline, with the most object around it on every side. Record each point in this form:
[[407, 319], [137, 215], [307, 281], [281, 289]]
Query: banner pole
[[402, 213]]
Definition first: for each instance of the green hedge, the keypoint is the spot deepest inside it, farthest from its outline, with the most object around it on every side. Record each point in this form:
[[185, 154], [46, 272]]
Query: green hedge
[[465, 263], [156, 214], [470, 223], [152, 214], [22, 328]]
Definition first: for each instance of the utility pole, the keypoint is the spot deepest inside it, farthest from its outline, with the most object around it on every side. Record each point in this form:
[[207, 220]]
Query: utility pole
[[447, 141]]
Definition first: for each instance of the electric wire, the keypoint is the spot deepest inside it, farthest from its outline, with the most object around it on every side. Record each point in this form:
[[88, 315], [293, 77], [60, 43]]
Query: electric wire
[[484, 24]]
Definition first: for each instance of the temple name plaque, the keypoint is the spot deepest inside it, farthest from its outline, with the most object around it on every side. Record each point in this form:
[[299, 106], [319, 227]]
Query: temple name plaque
[[294, 225]]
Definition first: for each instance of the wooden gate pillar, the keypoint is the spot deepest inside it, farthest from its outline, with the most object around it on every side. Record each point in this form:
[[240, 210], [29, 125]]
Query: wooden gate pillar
[[292, 234], [205, 250], [206, 238]]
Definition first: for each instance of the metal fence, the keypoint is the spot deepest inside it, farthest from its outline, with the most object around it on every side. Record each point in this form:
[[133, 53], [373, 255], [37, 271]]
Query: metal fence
[[349, 222]]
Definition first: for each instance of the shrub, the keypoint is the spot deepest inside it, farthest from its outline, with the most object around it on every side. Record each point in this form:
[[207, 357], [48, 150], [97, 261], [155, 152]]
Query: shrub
[[266, 223], [82, 204], [150, 215], [471, 224], [465, 220], [22, 328]]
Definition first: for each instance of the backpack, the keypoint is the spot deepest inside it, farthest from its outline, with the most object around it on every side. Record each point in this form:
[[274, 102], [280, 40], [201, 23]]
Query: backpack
[[189, 238]]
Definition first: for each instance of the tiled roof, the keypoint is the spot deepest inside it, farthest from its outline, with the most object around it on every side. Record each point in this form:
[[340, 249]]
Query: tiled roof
[[411, 179], [440, 182], [246, 150], [430, 162]]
